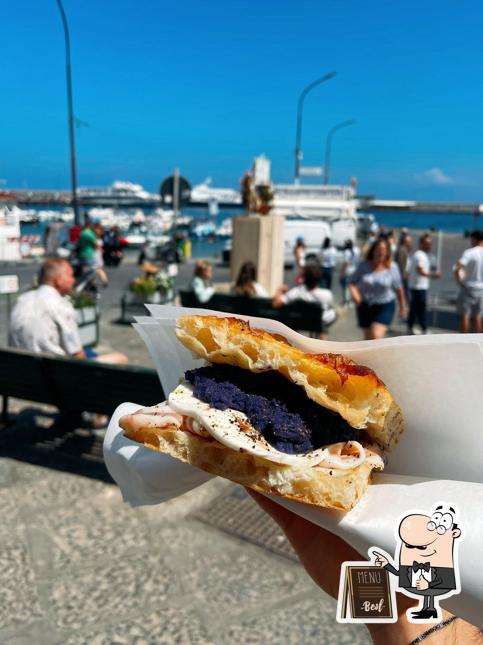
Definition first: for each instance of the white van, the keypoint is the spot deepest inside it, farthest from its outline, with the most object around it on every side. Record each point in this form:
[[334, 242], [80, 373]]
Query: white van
[[313, 233]]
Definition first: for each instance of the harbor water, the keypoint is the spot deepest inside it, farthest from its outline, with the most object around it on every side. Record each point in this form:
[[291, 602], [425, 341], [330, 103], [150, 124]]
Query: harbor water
[[212, 246]]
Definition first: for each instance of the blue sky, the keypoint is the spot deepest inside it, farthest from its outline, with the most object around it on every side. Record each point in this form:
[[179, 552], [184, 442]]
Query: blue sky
[[209, 85]]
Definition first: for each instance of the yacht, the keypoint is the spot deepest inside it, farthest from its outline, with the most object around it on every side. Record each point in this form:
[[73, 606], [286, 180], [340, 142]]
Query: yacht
[[118, 193], [204, 193]]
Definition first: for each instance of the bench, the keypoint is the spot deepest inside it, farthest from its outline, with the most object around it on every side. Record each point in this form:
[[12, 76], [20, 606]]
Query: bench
[[300, 315], [74, 385]]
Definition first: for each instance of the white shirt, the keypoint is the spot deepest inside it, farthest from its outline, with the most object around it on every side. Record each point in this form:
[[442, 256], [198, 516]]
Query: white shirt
[[351, 260], [416, 281], [415, 576], [328, 257], [472, 261], [43, 321], [202, 289], [323, 297]]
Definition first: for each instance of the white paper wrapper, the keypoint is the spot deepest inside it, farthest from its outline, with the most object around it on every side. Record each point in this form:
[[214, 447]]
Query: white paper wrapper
[[437, 381]]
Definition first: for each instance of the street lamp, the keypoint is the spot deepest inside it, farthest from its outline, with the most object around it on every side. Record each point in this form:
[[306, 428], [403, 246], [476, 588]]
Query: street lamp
[[300, 107], [70, 109], [328, 145]]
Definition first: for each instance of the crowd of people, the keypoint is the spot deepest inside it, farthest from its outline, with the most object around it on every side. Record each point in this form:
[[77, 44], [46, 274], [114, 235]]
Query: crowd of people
[[383, 277]]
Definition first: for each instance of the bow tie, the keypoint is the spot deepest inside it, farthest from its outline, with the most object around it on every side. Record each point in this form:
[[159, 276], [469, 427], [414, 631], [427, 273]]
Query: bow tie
[[421, 565]]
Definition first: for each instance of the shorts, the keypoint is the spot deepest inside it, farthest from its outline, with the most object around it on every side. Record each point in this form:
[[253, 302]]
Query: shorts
[[382, 314], [470, 301]]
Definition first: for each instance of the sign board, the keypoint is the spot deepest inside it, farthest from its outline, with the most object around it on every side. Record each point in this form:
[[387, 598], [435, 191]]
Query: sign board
[[261, 171], [366, 593], [8, 284], [311, 171]]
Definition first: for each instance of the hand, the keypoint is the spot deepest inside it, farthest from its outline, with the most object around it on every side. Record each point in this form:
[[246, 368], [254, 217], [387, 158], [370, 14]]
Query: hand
[[381, 560], [436, 274], [421, 582], [403, 312], [322, 554]]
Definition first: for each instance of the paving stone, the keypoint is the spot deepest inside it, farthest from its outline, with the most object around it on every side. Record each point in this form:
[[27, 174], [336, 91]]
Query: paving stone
[[231, 576], [6, 473], [54, 489], [19, 601], [36, 633], [168, 625], [307, 622], [186, 539], [71, 536], [9, 512], [118, 588]]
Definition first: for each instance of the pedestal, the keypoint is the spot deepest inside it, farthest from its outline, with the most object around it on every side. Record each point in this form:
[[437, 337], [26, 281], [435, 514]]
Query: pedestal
[[259, 239]]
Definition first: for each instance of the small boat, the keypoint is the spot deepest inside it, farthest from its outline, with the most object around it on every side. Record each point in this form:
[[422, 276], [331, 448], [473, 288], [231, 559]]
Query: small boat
[[203, 229], [225, 229]]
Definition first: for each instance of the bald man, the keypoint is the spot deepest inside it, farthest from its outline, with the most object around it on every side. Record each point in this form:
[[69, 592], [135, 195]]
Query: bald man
[[426, 558], [44, 321]]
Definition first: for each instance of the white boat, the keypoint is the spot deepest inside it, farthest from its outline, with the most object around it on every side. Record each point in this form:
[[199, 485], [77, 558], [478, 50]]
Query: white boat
[[225, 229], [203, 229], [119, 192], [204, 193]]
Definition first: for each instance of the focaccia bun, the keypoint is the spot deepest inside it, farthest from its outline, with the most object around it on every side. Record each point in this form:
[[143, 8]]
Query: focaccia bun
[[308, 484], [332, 380]]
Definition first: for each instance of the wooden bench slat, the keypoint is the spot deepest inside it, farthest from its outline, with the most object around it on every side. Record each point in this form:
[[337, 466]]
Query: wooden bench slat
[[76, 385]]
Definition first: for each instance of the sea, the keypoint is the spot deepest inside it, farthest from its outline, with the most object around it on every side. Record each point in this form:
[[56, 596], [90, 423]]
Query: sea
[[451, 222]]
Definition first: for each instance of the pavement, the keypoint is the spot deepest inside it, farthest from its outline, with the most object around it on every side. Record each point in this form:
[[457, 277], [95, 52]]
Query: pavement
[[78, 566]]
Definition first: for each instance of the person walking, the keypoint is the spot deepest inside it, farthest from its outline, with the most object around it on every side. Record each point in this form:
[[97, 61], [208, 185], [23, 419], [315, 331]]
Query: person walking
[[469, 276], [374, 287], [420, 275], [402, 259], [246, 283], [299, 252], [328, 260], [350, 260], [86, 247]]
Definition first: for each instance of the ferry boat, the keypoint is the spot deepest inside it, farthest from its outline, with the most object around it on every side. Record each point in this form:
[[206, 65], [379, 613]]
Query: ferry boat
[[119, 193], [204, 193]]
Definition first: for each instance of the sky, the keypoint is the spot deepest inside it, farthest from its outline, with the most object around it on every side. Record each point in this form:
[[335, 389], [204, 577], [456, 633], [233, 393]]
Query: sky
[[208, 86]]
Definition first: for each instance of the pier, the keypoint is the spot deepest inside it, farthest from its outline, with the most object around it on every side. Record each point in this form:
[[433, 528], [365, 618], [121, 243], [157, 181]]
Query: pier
[[369, 203]]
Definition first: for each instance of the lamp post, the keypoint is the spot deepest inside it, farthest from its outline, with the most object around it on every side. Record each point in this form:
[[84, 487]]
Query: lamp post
[[328, 145], [70, 109], [300, 108]]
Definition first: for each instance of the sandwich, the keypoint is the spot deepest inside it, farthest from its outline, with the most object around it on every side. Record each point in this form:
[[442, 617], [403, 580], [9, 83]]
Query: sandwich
[[265, 414]]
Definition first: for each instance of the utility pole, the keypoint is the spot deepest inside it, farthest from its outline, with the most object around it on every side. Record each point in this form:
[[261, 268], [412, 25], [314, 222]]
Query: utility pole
[[300, 109], [70, 110]]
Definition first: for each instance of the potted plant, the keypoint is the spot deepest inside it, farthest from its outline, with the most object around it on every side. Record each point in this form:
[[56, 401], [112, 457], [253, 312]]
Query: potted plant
[[87, 316], [264, 202], [145, 288]]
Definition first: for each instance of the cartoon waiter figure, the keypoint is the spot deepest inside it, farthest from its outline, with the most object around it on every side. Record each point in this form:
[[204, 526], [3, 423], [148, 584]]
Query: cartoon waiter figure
[[426, 560]]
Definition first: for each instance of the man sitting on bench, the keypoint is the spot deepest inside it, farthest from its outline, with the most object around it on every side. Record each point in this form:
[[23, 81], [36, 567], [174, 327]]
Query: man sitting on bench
[[44, 321]]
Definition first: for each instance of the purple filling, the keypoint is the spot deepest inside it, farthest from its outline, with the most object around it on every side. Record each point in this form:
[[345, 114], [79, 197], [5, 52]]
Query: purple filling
[[277, 408]]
